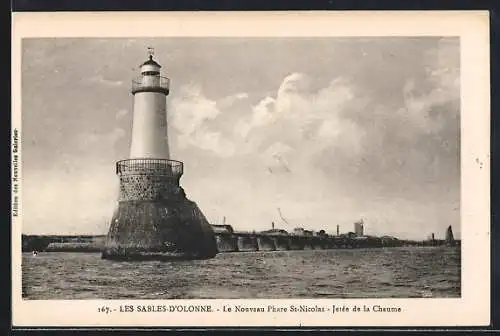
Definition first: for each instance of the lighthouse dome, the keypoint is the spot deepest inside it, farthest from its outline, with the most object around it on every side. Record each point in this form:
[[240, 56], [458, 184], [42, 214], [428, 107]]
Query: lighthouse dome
[[150, 66]]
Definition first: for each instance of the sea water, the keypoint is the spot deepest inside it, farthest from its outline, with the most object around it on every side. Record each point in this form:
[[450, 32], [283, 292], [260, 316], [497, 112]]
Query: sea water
[[344, 273]]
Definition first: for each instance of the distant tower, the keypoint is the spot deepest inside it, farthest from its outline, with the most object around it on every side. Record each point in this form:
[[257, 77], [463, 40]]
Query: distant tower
[[153, 218], [338, 230], [272, 225], [358, 228], [449, 240]]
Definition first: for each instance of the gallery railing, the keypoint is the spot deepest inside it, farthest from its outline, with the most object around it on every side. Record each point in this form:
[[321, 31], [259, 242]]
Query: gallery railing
[[163, 167]]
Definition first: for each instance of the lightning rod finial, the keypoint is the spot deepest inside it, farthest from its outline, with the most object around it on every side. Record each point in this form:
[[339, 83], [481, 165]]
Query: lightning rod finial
[[151, 52]]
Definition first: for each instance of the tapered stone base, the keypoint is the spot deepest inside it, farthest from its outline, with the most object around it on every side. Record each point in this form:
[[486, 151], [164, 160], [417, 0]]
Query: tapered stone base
[[159, 230]]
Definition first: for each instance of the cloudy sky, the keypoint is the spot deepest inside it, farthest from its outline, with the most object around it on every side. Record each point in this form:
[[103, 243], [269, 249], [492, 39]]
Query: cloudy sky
[[328, 130]]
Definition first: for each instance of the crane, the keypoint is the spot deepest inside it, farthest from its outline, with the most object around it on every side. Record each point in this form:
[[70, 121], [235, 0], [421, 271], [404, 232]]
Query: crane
[[283, 218]]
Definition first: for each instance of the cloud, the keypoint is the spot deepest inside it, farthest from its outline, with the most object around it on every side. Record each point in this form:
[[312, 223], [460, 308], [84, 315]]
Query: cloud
[[103, 81], [116, 135], [214, 142], [120, 114], [99, 141], [337, 132], [64, 201], [296, 118], [293, 83], [307, 121], [242, 95], [191, 110], [230, 100], [261, 114], [191, 114]]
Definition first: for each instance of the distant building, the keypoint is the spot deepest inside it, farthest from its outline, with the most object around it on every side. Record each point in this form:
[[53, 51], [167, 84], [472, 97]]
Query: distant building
[[351, 234], [358, 229], [298, 231], [388, 238], [321, 233], [275, 232], [222, 228]]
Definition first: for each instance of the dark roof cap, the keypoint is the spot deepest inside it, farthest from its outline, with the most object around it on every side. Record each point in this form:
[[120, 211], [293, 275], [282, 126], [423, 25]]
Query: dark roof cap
[[150, 61]]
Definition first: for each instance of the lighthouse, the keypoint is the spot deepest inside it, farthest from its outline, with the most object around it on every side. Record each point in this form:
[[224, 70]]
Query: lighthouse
[[153, 218]]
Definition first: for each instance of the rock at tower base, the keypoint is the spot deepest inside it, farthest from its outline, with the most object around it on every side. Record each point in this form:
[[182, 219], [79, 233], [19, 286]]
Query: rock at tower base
[[159, 230]]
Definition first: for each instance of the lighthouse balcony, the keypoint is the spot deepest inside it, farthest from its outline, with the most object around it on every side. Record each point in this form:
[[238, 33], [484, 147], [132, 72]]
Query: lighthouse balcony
[[163, 167], [151, 83]]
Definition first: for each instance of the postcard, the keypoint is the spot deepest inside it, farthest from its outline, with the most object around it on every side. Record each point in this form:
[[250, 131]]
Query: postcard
[[203, 169]]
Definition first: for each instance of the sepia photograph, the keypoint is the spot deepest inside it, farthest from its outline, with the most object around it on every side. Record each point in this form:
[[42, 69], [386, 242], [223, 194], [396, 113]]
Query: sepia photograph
[[240, 167]]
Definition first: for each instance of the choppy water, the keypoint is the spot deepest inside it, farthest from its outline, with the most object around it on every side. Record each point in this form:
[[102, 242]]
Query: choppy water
[[356, 273]]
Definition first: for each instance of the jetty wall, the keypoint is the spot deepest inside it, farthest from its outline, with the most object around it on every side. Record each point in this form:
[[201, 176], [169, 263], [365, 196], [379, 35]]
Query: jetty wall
[[226, 243], [266, 243], [230, 242], [75, 247], [247, 243], [281, 243]]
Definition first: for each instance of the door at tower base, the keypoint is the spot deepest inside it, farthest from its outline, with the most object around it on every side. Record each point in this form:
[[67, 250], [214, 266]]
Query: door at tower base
[[159, 230]]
